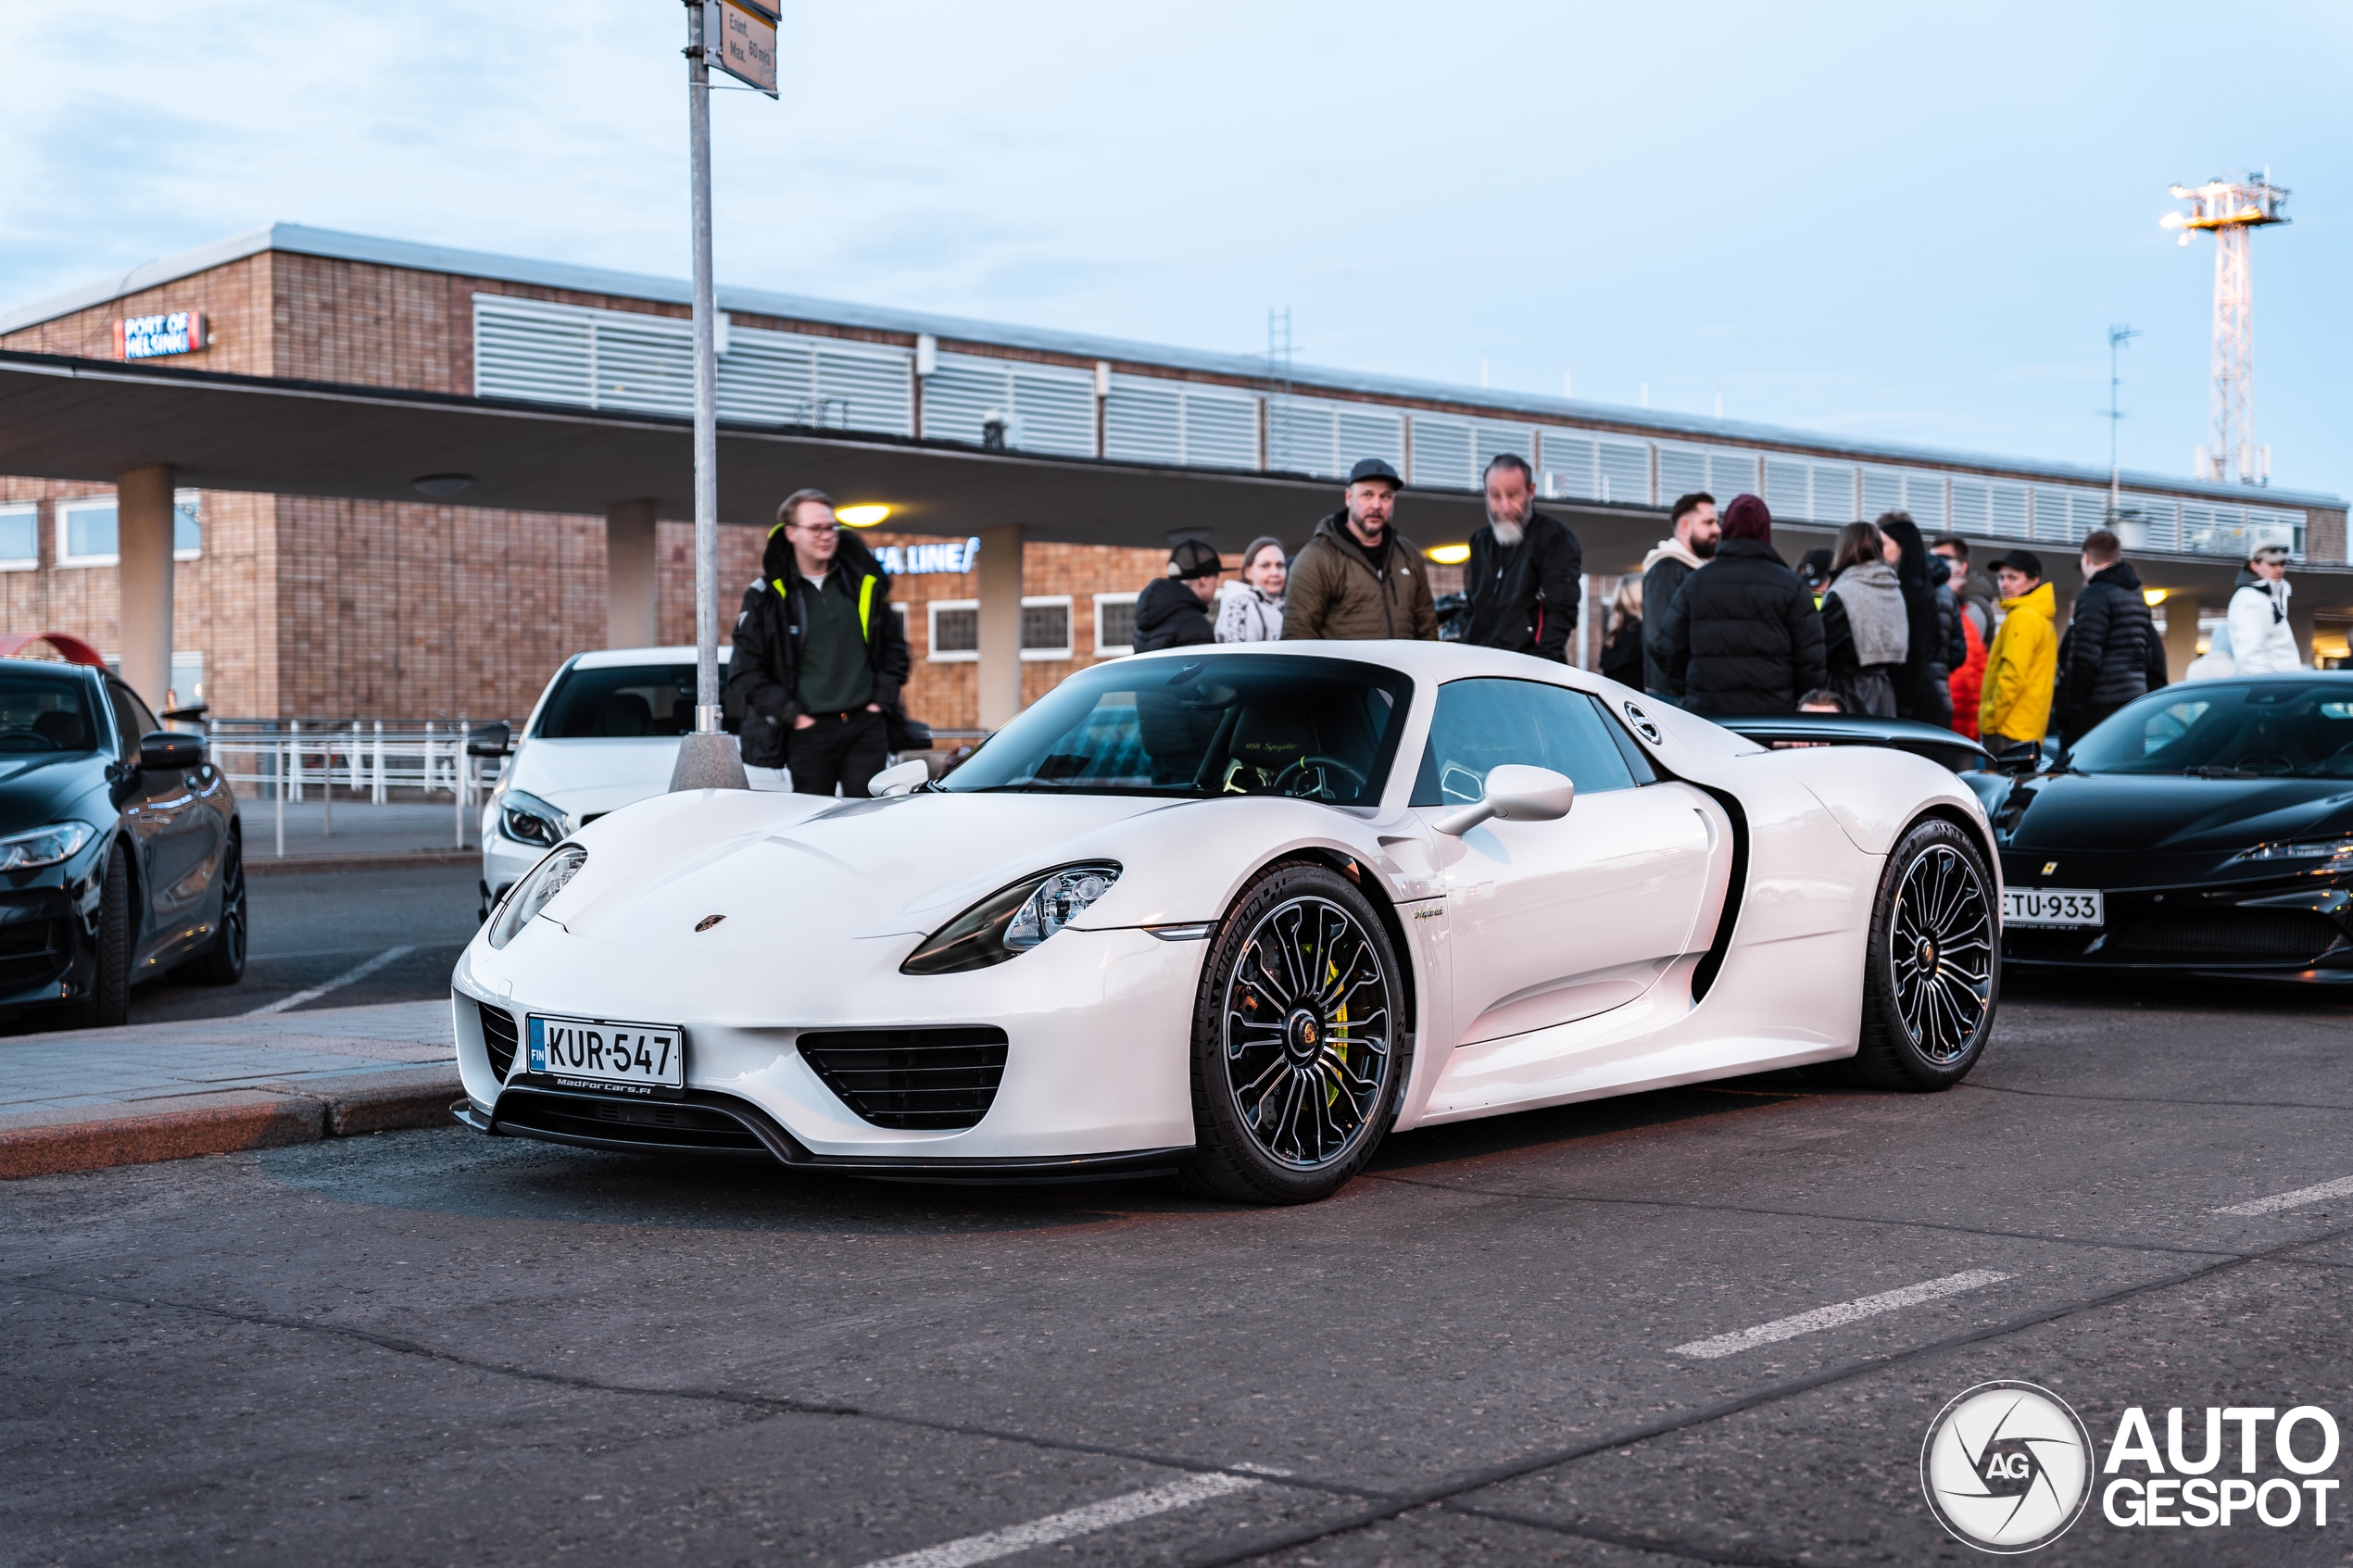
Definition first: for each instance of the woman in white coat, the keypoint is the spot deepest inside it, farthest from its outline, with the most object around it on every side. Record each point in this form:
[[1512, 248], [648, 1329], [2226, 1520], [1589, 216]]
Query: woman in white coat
[[1253, 608], [2262, 643]]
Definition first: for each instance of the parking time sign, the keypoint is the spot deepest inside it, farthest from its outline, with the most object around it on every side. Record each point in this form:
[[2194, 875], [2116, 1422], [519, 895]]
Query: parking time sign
[[739, 37]]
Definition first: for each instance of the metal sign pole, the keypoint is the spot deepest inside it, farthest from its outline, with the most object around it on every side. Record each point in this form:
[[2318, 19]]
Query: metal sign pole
[[707, 758]]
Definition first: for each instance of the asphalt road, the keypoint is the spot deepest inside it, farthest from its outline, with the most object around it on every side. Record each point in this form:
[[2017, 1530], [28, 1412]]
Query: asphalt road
[[308, 929], [428, 1347]]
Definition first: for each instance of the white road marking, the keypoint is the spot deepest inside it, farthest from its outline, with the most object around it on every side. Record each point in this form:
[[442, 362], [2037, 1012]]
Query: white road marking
[[357, 971], [2340, 1187], [1844, 1312], [1121, 1509]]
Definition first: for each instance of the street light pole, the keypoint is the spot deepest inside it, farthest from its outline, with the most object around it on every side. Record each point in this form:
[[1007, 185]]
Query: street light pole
[[707, 758]]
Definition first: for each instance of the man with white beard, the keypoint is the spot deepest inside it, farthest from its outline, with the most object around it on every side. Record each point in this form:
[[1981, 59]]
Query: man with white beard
[[1524, 574]]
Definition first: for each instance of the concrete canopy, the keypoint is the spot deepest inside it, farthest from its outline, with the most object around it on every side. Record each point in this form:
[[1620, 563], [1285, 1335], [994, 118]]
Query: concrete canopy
[[89, 419]]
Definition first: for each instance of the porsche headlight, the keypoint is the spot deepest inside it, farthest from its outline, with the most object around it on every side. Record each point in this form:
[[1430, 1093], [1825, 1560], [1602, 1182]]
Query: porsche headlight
[[2295, 850], [1012, 921], [530, 896], [43, 846], [526, 819]]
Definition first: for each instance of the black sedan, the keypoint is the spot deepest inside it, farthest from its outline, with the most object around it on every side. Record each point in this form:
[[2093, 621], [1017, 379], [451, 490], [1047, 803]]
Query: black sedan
[[120, 850], [2207, 828]]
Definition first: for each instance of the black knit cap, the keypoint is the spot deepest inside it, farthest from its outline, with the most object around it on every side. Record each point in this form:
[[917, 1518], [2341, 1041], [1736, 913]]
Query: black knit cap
[[1194, 558]]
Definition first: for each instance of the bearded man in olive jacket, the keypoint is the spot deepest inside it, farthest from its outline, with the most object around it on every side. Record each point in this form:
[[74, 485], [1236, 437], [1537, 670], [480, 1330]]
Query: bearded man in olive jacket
[[1356, 579]]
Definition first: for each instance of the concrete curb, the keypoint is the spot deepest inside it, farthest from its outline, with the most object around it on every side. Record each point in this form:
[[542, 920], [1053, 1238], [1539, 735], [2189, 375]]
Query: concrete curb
[[45, 1143], [274, 865]]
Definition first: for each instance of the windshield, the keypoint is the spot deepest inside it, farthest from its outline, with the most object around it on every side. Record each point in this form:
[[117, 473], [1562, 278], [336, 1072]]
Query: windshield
[[619, 700], [2223, 729], [1322, 729], [45, 710]]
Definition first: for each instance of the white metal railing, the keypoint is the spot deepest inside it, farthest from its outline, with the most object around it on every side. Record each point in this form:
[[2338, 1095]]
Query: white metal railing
[[365, 759]]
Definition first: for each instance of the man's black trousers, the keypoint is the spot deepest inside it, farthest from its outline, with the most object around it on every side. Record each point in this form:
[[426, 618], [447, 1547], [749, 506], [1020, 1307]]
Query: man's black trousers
[[839, 748]]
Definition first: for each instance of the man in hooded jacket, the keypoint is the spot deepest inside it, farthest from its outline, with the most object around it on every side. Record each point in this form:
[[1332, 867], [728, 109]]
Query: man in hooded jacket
[[1355, 578], [1742, 636], [2014, 710], [1173, 610], [818, 659], [2262, 640], [2111, 652], [1690, 546]]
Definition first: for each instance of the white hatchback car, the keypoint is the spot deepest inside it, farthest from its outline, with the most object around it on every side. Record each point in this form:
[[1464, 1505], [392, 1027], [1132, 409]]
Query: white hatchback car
[[603, 734]]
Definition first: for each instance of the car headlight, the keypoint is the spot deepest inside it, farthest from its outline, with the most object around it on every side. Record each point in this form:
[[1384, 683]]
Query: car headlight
[[1013, 920], [43, 846], [530, 896], [526, 819], [2337, 848]]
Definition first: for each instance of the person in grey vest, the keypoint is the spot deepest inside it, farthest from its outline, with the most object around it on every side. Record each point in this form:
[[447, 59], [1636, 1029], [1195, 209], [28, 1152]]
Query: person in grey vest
[[1866, 629]]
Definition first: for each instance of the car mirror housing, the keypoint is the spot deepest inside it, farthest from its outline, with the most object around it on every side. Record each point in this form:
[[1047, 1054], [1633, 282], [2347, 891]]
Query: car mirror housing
[[163, 751], [489, 740], [900, 778], [1516, 793]]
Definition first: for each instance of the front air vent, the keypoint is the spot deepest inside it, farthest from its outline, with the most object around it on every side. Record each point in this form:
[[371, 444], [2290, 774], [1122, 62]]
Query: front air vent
[[931, 1080], [2296, 936], [655, 1128], [499, 1038]]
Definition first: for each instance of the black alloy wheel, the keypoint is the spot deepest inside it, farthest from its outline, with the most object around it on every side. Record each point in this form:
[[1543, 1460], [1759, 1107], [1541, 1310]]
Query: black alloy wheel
[[1300, 1044], [1933, 971], [110, 1000], [224, 962]]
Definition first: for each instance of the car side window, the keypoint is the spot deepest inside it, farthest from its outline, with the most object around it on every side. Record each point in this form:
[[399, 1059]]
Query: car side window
[[1481, 724], [133, 718]]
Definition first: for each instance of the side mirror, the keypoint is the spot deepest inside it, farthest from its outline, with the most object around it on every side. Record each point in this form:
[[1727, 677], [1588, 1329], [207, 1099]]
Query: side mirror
[[163, 751], [1516, 793], [901, 779], [489, 740]]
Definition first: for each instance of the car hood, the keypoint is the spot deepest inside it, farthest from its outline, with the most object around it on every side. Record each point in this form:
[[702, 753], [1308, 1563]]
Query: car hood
[[587, 778], [37, 788], [2149, 813], [803, 870]]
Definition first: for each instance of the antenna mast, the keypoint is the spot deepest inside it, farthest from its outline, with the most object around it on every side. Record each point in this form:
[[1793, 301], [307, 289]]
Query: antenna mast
[[2233, 208]]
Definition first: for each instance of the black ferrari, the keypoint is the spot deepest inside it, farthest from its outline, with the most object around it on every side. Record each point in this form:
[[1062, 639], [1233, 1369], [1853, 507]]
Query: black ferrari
[[119, 850], [2206, 828]]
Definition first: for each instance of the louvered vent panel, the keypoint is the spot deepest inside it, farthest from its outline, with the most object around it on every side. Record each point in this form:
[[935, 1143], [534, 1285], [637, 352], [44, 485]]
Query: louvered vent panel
[[2008, 507], [2150, 522], [870, 387], [1626, 472], [646, 363], [1973, 507], [1443, 450], [1564, 466], [1789, 488], [2064, 516], [1493, 440], [1366, 431], [1730, 474], [1882, 491], [1302, 436], [1924, 498], [767, 378], [531, 352], [1682, 469], [1056, 408], [962, 392], [1144, 421], [1221, 428]]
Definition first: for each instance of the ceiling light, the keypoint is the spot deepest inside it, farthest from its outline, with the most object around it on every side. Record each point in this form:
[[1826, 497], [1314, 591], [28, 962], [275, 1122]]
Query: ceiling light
[[1448, 555], [440, 485], [864, 515], [2152, 597]]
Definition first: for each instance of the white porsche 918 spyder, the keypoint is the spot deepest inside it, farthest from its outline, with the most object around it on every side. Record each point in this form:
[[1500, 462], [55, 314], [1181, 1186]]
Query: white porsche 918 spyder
[[1237, 913]]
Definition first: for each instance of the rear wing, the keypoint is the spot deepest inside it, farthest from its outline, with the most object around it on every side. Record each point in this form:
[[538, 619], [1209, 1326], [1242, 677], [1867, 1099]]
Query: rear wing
[[1947, 748]]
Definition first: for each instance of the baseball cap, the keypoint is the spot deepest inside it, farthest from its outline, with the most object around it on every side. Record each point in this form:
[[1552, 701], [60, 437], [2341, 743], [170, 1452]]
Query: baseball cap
[[1194, 558], [2021, 560], [1375, 468]]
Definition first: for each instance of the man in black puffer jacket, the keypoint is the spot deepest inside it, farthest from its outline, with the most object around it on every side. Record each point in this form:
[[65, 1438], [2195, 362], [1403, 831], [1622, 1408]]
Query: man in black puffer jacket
[[2111, 652], [1742, 636], [1173, 611]]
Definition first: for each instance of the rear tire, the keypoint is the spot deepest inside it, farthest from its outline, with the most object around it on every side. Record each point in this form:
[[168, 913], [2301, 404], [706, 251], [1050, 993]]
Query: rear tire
[[1933, 970], [224, 962], [110, 1000], [1301, 1051]]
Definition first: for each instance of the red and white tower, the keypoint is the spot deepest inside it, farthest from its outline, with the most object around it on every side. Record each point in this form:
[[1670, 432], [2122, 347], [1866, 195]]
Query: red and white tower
[[2233, 208]]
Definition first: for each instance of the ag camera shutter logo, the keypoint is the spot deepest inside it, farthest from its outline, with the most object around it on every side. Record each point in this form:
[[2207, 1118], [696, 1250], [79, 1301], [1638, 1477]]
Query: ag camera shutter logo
[[2006, 1467]]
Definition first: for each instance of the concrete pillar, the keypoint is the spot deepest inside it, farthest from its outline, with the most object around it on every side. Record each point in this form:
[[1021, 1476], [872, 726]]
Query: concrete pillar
[[2181, 633], [1000, 576], [142, 532], [632, 576]]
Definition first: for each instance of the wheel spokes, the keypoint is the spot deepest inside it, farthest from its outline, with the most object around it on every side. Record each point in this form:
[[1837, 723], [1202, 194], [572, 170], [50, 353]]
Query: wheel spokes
[[1306, 1032]]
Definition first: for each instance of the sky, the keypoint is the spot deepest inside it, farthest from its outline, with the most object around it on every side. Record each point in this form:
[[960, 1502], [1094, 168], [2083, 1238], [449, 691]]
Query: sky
[[1880, 222]]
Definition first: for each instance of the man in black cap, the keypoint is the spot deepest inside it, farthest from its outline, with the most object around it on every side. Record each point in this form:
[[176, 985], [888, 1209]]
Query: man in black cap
[[1356, 579], [1173, 611]]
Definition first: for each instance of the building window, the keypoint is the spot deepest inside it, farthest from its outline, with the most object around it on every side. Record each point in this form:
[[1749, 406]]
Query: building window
[[1115, 624], [187, 525], [19, 537], [86, 534], [1045, 628], [955, 631]]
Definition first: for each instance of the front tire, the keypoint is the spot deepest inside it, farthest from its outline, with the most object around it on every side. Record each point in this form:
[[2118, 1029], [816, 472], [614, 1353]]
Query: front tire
[[110, 1000], [1933, 970], [1299, 1046]]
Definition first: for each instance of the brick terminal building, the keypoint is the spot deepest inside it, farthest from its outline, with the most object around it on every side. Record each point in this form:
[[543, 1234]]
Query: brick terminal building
[[290, 604]]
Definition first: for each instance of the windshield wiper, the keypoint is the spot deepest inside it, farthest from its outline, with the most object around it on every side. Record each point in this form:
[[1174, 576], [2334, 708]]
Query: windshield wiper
[[2210, 770]]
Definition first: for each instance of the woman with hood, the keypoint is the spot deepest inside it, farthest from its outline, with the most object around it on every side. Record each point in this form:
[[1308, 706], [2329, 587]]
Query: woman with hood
[[1933, 619], [1866, 631], [1254, 611]]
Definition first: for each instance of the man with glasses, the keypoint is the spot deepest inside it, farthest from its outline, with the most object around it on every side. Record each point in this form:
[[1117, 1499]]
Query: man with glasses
[[819, 658]]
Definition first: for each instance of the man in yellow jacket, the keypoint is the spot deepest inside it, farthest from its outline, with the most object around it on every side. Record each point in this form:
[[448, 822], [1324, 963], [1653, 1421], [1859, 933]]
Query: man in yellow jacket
[[2014, 710]]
